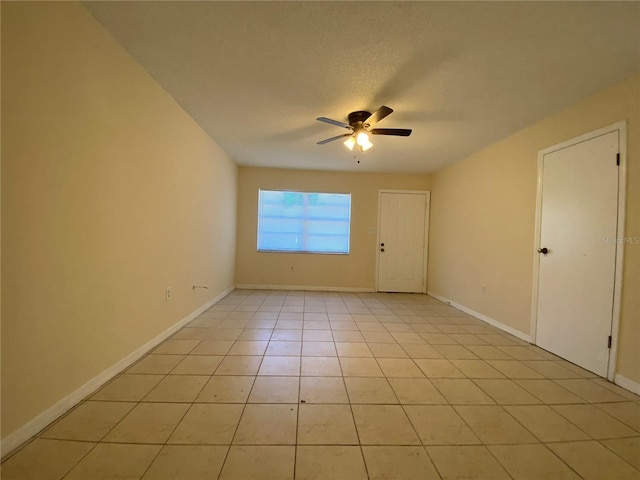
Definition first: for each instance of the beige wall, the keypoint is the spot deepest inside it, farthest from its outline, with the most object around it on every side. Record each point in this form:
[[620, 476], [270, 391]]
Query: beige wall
[[356, 270], [483, 213], [110, 193]]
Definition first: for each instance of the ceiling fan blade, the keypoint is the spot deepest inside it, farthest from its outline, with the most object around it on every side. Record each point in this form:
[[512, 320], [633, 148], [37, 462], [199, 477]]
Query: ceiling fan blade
[[401, 132], [377, 116], [337, 137], [333, 122]]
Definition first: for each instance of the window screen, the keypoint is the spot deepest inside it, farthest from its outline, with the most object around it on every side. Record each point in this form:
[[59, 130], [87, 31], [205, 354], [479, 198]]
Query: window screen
[[303, 222]]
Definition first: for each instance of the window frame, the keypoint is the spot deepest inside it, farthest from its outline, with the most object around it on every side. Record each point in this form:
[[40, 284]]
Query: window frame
[[306, 195]]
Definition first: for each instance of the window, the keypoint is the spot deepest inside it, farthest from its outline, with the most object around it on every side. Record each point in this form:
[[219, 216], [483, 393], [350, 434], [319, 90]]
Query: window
[[303, 222]]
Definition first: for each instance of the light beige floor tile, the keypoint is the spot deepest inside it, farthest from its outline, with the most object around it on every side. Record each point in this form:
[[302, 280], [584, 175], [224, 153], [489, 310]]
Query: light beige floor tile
[[514, 369], [317, 336], [176, 347], [551, 369], [387, 350], [256, 333], [549, 392], [187, 462], [488, 352], [190, 333], [259, 463], [90, 421], [594, 421], [477, 369], [493, 425], [526, 352], [630, 396], [315, 316], [239, 365], [497, 340], [288, 335], [337, 326], [224, 333], [128, 388], [275, 390], [399, 462], [267, 424], [383, 425], [158, 364], [544, 423], [212, 424], [506, 392], [416, 391], [280, 366], [318, 349], [197, 365], [282, 348], [326, 424], [369, 390], [376, 335], [248, 347], [316, 325], [329, 463], [177, 388], [289, 324], [593, 461], [590, 390], [360, 367], [426, 328], [226, 389], [148, 423], [438, 339], [347, 336], [438, 368], [44, 460], [421, 351], [111, 461], [626, 412], [408, 338], [400, 368], [627, 448], [461, 392], [213, 347], [466, 462], [532, 462], [320, 366], [323, 390], [440, 425], [467, 339], [352, 349]]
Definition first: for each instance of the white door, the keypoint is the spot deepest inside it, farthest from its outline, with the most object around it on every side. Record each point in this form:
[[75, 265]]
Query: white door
[[401, 247], [578, 228]]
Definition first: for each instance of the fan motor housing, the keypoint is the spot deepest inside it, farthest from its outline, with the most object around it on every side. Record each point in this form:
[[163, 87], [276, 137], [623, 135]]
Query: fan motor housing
[[358, 118]]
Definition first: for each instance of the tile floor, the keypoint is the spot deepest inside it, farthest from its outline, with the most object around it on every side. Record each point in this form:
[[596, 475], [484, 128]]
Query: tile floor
[[314, 385]]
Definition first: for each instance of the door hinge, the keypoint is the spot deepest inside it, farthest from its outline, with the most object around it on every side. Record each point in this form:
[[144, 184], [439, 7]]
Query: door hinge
[[618, 159], [609, 342]]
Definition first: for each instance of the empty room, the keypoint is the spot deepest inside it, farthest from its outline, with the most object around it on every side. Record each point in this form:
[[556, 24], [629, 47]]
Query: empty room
[[320, 240]]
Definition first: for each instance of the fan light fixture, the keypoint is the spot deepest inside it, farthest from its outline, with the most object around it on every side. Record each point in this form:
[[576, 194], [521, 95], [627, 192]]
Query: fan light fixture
[[361, 139]]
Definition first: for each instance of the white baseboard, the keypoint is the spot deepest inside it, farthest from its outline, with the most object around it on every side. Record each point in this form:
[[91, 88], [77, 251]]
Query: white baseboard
[[484, 318], [305, 287], [24, 433], [627, 384]]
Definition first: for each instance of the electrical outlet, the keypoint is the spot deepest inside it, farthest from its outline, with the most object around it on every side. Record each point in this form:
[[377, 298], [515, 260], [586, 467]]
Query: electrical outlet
[[167, 294]]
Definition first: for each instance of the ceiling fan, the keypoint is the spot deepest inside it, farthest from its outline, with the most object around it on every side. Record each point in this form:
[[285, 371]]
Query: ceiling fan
[[359, 127]]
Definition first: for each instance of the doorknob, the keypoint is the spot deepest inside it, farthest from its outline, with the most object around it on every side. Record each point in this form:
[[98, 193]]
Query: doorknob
[[382, 244], [382, 249], [543, 250]]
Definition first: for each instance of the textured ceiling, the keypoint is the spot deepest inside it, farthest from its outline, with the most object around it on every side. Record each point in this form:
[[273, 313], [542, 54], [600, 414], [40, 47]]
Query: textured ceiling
[[462, 75]]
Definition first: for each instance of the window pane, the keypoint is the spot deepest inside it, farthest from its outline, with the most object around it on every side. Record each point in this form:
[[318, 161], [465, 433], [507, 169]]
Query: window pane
[[303, 222]]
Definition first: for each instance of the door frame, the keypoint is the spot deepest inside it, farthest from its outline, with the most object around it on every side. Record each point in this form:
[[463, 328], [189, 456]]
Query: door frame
[[621, 127], [427, 194]]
